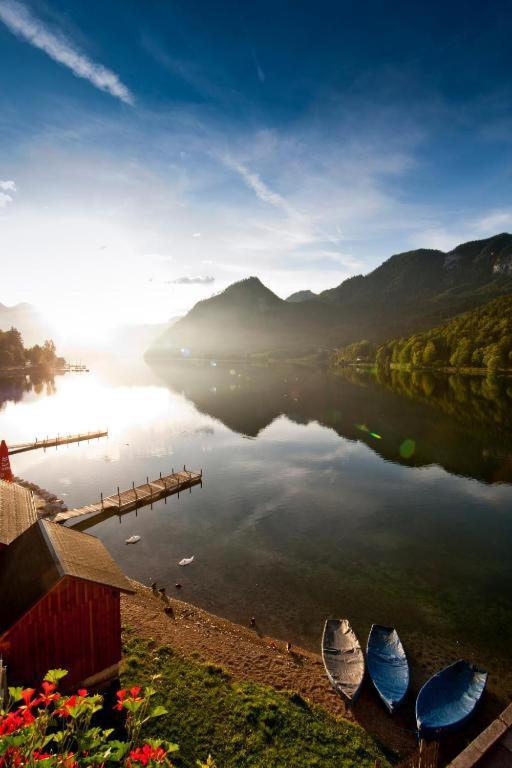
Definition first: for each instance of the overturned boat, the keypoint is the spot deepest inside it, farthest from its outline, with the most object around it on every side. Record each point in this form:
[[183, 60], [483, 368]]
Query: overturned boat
[[343, 658], [449, 698], [387, 665]]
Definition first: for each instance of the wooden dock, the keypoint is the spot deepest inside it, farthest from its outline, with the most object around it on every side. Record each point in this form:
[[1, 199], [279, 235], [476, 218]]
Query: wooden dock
[[135, 497], [54, 442]]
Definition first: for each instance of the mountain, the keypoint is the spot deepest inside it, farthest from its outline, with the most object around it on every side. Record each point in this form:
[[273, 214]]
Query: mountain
[[302, 296], [410, 292], [27, 320], [246, 318]]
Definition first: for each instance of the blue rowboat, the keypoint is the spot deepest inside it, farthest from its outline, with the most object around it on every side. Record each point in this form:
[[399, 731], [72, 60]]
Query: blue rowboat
[[449, 698], [343, 658], [387, 665]]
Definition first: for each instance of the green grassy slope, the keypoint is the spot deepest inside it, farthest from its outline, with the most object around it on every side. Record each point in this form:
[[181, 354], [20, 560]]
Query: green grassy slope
[[242, 725]]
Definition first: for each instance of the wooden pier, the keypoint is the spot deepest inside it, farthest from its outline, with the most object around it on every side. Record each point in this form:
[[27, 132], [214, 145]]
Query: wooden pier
[[133, 498], [54, 442]]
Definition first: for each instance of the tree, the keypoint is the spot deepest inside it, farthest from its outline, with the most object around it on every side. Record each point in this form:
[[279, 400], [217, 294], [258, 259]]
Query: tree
[[429, 353]]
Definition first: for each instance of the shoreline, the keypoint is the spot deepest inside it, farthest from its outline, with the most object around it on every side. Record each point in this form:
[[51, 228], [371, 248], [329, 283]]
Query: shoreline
[[248, 655], [28, 370]]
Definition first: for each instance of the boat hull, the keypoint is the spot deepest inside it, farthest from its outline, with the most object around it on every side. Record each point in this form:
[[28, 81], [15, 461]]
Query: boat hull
[[343, 658], [388, 666], [449, 699]]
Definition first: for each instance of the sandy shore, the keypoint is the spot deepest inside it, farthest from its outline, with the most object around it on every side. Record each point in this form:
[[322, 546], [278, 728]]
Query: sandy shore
[[248, 655]]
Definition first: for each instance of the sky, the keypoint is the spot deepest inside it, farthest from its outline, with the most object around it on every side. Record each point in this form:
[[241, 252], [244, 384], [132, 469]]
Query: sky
[[152, 153]]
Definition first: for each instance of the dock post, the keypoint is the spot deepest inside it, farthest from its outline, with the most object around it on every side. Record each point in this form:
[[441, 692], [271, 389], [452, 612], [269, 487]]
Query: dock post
[[118, 496], [102, 500]]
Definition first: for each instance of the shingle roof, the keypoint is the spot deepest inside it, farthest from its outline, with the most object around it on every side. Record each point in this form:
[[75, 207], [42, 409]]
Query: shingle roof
[[17, 511], [44, 554]]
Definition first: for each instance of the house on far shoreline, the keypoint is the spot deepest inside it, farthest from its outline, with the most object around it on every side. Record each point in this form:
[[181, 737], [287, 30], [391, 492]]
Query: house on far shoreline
[[60, 606]]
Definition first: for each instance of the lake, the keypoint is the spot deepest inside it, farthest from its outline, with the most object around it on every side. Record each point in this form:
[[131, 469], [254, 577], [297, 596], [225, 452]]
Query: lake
[[385, 500]]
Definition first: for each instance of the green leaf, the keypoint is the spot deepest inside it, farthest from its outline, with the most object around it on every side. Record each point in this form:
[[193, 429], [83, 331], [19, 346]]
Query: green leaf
[[15, 693], [54, 675], [116, 751], [158, 711]]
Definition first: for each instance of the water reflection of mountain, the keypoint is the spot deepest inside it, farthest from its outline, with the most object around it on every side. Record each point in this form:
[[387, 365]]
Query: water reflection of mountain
[[462, 424], [14, 388]]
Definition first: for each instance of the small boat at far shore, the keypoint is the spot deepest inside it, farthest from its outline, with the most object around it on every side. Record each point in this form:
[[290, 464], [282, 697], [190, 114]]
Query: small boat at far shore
[[387, 665], [343, 658], [449, 698]]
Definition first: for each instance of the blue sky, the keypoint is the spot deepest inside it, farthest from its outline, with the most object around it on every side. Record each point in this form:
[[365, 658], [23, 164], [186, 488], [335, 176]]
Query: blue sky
[[153, 152]]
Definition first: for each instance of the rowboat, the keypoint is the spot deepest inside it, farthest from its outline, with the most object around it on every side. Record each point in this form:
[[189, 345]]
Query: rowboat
[[343, 658], [387, 665], [449, 698]]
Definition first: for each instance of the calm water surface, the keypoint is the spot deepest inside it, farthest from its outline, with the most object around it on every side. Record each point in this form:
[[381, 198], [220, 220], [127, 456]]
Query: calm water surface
[[386, 501]]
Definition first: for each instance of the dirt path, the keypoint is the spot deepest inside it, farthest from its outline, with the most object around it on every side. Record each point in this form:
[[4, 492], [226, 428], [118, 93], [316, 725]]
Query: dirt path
[[248, 655]]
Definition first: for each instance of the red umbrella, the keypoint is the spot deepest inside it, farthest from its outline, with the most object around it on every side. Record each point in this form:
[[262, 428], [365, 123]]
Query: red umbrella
[[5, 465]]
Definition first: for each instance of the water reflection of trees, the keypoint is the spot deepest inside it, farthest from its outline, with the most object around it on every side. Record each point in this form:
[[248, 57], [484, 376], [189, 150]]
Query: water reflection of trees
[[478, 401], [460, 423], [14, 388]]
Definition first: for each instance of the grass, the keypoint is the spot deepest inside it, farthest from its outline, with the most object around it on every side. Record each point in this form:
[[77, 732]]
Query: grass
[[243, 725]]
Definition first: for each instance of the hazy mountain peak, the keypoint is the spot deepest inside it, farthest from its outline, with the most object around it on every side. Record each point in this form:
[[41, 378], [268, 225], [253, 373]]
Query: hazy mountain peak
[[298, 296]]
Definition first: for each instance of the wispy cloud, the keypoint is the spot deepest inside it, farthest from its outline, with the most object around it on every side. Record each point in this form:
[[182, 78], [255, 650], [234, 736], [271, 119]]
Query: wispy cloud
[[193, 280], [259, 70], [258, 186], [6, 186], [18, 18]]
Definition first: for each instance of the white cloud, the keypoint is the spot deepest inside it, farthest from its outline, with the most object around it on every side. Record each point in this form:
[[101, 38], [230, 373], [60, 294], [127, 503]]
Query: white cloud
[[4, 199], [494, 222], [193, 280], [254, 182], [490, 223], [8, 186], [21, 22]]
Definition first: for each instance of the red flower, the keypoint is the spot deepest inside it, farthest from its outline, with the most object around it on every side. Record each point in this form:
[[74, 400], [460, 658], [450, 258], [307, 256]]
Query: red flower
[[82, 692], [147, 753], [65, 706], [121, 696], [26, 695], [11, 722], [134, 692], [48, 694]]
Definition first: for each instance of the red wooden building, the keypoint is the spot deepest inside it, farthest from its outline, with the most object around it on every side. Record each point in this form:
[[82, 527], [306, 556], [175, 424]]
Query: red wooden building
[[60, 606]]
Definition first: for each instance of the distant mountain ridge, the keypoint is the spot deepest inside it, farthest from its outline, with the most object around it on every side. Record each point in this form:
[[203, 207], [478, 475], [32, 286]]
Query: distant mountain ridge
[[302, 296], [409, 292]]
